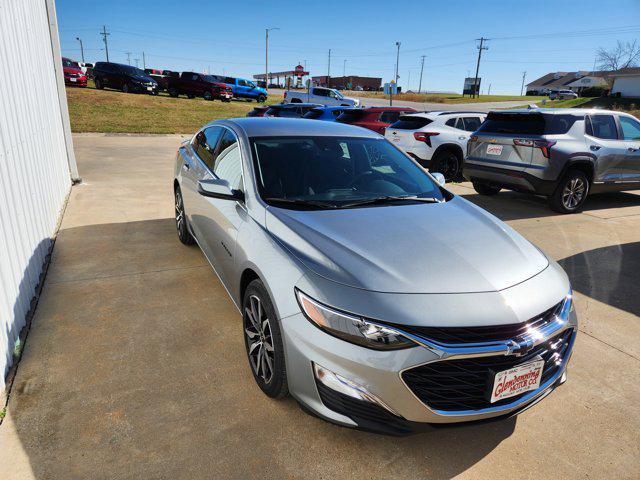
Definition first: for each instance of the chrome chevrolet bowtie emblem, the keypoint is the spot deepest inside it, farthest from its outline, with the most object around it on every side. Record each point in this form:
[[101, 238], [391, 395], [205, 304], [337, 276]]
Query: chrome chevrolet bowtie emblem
[[520, 349]]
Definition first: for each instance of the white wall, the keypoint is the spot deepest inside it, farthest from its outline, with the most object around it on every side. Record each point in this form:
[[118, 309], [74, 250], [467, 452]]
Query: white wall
[[35, 156], [627, 86]]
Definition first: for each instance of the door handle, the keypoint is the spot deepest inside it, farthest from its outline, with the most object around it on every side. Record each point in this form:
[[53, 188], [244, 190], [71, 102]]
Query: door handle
[[595, 148], [462, 138]]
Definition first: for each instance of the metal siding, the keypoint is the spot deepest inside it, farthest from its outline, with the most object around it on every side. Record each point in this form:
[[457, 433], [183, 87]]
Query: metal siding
[[34, 169], [627, 86]]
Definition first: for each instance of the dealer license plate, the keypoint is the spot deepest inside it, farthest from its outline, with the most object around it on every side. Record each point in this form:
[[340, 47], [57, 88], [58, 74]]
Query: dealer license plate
[[150, 89], [494, 150], [520, 379], [72, 79]]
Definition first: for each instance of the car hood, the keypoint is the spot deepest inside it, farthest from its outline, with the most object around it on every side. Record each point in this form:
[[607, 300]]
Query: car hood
[[75, 70], [452, 247]]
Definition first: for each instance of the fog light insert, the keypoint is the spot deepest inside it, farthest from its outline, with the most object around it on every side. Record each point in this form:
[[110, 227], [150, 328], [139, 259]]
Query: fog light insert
[[340, 384]]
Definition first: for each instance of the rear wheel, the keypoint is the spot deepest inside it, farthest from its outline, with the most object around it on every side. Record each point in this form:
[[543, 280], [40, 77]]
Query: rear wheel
[[98, 83], [448, 163], [173, 92], [263, 341], [484, 189], [570, 193], [262, 98]]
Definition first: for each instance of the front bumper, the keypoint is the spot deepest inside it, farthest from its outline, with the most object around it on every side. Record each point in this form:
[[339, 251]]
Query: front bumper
[[381, 374]]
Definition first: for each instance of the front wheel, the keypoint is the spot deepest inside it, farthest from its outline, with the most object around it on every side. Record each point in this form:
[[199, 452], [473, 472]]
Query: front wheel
[[263, 341], [181, 220], [262, 98], [126, 88], [207, 96], [571, 192]]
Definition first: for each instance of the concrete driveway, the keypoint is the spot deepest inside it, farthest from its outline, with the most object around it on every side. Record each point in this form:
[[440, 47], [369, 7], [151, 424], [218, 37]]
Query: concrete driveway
[[135, 365]]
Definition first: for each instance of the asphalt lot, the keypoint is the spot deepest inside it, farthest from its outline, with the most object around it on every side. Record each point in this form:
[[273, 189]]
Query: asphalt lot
[[135, 364], [382, 102]]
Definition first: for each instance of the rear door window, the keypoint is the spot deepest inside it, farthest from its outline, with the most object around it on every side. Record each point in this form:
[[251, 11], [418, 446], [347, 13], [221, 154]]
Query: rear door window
[[321, 92], [471, 124], [630, 128], [459, 124], [602, 126]]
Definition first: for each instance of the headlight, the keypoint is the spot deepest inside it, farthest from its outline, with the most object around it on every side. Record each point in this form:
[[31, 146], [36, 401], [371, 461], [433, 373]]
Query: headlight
[[567, 306], [352, 328]]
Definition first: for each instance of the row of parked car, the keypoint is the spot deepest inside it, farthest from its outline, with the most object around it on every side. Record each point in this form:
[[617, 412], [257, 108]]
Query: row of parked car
[[562, 154]]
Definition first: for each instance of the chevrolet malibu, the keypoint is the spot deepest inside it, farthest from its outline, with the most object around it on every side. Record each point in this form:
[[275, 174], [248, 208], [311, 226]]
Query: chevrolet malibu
[[369, 292]]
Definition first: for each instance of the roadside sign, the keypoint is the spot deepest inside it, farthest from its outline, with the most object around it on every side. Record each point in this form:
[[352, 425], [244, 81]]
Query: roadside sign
[[390, 88]]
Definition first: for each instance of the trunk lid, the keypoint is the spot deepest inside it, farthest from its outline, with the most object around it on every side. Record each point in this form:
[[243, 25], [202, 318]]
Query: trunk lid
[[401, 132]]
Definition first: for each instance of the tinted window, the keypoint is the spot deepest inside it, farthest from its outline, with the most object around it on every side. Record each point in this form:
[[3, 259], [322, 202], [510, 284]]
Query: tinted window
[[243, 83], [321, 92], [630, 128], [227, 162], [205, 144], [313, 113], [603, 126], [451, 122], [528, 123], [411, 123], [287, 113], [350, 116], [229, 80], [471, 124], [390, 117], [336, 113], [336, 170], [69, 63], [459, 123]]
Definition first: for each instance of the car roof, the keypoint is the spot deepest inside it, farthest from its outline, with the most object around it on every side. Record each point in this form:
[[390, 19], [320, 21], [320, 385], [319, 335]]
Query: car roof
[[557, 111], [285, 127], [295, 105], [442, 113]]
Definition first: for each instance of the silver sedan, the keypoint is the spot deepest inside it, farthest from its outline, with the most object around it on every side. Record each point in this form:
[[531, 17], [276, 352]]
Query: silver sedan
[[368, 291]]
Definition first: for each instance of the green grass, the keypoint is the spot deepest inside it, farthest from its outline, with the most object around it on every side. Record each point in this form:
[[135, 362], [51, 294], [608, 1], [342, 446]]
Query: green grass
[[110, 111], [628, 105], [449, 98]]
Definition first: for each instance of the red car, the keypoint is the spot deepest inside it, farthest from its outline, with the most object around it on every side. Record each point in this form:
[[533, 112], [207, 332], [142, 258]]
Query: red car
[[373, 118], [73, 74], [258, 111]]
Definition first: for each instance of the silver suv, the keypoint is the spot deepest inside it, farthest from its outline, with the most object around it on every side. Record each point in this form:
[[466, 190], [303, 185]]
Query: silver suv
[[563, 154]]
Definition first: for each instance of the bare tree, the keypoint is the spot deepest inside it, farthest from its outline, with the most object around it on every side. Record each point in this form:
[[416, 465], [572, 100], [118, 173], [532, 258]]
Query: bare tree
[[623, 55]]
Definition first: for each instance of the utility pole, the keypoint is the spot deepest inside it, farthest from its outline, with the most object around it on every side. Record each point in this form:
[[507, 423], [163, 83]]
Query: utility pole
[[136, 60], [81, 48], [329, 71], [524, 75], [489, 92], [129, 58], [266, 56], [421, 70], [397, 76], [105, 34], [305, 65], [344, 67], [408, 80], [144, 61], [481, 47]]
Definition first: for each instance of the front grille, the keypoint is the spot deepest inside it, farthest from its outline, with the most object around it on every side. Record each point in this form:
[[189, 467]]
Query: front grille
[[463, 384], [494, 333]]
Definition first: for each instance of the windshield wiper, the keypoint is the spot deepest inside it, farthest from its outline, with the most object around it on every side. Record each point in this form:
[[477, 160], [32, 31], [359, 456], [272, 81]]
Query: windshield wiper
[[391, 199], [298, 201]]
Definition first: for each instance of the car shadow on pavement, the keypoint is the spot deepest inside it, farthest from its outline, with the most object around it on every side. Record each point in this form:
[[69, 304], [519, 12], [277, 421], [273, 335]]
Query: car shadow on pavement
[[135, 367], [508, 205], [607, 274]]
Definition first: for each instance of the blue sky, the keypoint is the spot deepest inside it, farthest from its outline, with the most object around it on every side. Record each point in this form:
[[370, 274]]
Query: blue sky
[[228, 37]]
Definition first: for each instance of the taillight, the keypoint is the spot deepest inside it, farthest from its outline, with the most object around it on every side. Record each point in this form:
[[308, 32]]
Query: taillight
[[543, 145], [425, 136]]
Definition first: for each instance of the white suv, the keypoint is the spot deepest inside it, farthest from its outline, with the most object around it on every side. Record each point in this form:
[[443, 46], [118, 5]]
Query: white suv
[[437, 140]]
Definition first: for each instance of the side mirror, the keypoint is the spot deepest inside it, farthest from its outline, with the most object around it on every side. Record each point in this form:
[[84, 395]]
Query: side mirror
[[439, 178], [219, 188]]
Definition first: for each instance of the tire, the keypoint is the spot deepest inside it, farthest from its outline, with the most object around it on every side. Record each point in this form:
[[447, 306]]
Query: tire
[[190, 95], [98, 83], [262, 98], [261, 335], [296, 100], [173, 92], [207, 96], [448, 163], [181, 220], [484, 189], [571, 192], [125, 88]]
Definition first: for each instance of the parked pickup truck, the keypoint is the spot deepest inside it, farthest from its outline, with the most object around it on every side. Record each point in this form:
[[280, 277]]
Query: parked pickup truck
[[243, 88], [194, 84], [321, 95]]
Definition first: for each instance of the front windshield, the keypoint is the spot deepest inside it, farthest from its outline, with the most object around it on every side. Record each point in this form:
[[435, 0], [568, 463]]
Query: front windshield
[[133, 70], [335, 172], [70, 63]]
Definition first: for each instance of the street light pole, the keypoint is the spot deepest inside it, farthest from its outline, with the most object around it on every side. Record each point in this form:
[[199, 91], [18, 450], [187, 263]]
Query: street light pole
[[266, 56], [524, 75], [421, 70], [397, 76], [81, 48], [344, 67]]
